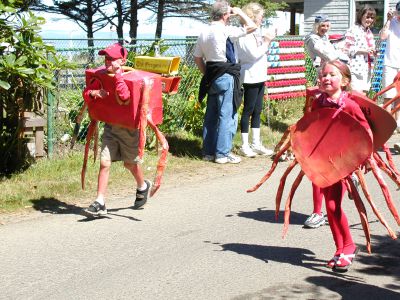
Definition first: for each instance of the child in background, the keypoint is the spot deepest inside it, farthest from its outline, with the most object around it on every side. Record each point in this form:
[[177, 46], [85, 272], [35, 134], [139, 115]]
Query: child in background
[[334, 82], [118, 143]]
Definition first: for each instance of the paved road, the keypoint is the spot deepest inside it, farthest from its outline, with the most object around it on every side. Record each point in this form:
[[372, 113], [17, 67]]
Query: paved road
[[204, 239]]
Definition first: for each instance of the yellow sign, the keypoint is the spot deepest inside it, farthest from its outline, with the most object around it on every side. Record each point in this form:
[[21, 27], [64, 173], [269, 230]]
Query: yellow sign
[[160, 65]]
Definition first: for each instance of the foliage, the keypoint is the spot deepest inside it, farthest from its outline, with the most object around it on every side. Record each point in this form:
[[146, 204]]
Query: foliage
[[270, 7], [183, 111], [27, 66]]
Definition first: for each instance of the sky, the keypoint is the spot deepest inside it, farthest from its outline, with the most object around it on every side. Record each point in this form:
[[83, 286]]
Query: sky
[[171, 27], [58, 27]]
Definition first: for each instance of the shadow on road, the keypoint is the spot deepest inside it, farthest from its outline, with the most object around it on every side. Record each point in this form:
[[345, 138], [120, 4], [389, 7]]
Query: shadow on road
[[55, 206], [384, 260], [265, 215], [349, 289], [294, 256]]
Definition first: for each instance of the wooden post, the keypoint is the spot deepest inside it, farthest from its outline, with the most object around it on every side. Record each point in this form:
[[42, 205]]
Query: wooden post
[[34, 125]]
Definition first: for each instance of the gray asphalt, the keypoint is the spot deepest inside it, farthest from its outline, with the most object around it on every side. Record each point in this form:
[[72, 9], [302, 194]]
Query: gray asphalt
[[202, 239]]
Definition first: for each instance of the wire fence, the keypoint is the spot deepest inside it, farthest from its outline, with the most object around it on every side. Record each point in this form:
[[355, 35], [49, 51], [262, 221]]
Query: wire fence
[[180, 110]]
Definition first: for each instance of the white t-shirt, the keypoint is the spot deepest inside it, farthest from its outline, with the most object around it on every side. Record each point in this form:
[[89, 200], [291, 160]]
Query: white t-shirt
[[211, 43], [392, 52]]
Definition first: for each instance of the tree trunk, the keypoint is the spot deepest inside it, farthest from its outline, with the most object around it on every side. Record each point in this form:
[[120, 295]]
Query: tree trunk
[[133, 22], [120, 24], [160, 17]]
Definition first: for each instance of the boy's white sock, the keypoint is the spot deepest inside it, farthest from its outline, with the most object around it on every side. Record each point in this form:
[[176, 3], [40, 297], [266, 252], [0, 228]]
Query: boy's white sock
[[100, 199], [143, 187]]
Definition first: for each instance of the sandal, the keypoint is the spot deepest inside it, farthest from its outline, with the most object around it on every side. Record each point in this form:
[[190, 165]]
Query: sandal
[[344, 262], [332, 262]]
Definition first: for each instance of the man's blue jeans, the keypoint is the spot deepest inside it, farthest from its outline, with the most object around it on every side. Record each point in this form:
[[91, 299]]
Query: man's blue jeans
[[220, 120]]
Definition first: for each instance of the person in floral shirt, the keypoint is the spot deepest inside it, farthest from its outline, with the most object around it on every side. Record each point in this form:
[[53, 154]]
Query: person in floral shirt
[[360, 47]]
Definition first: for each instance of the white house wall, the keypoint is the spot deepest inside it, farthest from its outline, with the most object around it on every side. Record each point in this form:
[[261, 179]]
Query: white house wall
[[337, 11]]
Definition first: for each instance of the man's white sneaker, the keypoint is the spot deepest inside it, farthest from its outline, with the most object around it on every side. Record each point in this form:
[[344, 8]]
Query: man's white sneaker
[[232, 159], [261, 150], [247, 152]]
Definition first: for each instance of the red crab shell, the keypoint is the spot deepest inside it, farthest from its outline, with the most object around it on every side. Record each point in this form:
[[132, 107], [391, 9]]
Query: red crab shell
[[328, 149], [381, 121]]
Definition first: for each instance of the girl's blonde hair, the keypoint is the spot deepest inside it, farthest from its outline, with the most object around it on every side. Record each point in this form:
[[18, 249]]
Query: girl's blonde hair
[[343, 69], [252, 10]]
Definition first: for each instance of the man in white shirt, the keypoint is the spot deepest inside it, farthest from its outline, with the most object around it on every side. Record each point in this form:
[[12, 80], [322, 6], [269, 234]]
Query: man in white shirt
[[217, 60]]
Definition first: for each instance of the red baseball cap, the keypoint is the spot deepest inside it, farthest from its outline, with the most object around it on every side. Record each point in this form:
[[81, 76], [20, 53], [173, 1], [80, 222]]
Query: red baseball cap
[[114, 51]]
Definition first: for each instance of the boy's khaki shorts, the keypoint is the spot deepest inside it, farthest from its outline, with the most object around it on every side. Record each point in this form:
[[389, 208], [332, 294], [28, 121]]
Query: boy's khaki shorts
[[120, 144]]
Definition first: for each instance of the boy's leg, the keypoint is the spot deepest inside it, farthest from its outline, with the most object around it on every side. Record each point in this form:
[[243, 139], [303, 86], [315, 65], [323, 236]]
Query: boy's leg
[[143, 186], [102, 180], [109, 152]]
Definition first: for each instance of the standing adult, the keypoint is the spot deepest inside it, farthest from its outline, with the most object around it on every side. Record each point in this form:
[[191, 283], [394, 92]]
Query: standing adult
[[318, 44], [360, 47], [216, 58], [391, 66], [252, 53]]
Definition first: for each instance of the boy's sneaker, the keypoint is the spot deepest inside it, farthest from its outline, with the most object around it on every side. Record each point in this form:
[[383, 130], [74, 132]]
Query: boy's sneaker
[[314, 221], [141, 196], [396, 147], [232, 159], [247, 152], [261, 150], [96, 209]]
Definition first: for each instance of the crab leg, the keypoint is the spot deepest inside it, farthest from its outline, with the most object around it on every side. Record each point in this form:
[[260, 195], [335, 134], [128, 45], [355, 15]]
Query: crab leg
[[272, 169], [281, 187], [288, 204], [89, 135], [147, 86], [385, 190], [361, 211], [390, 102], [284, 139], [163, 157], [387, 169], [390, 159], [363, 185]]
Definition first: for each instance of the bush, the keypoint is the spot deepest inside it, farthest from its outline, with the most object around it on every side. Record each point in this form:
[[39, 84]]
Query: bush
[[27, 66]]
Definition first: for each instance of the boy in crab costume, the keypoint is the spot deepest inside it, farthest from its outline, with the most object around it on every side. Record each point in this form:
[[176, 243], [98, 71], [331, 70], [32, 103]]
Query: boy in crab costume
[[119, 143], [337, 114]]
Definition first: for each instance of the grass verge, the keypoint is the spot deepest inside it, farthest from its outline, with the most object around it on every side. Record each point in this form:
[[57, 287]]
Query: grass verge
[[51, 183]]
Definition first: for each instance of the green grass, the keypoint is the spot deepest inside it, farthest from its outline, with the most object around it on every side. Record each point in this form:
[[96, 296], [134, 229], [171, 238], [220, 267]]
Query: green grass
[[54, 184]]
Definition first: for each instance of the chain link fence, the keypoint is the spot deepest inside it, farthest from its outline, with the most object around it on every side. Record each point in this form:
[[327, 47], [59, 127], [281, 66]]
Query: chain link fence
[[71, 82], [181, 111]]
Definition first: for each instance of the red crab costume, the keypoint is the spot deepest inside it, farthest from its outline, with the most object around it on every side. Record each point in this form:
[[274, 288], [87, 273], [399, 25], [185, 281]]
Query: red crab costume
[[143, 107], [320, 142]]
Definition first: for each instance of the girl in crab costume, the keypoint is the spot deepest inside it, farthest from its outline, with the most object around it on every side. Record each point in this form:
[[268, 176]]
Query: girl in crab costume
[[334, 81], [333, 114]]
